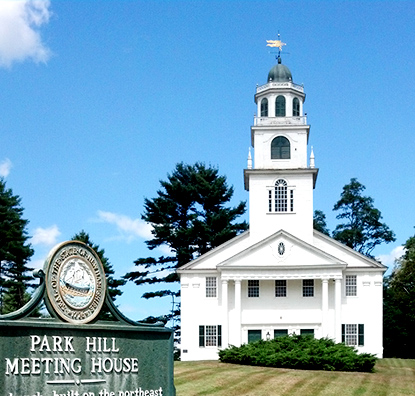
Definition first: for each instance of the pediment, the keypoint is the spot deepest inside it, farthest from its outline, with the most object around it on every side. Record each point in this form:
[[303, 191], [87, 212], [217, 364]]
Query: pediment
[[280, 250]]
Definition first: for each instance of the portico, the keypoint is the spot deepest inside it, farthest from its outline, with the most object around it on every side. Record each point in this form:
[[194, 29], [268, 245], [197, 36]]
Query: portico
[[241, 310]]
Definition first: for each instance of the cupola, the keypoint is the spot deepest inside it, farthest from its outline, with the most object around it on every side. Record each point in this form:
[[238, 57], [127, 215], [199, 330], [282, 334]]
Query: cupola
[[280, 73]]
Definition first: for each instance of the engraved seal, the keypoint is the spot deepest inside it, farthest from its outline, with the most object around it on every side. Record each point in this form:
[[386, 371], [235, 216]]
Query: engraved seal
[[75, 282]]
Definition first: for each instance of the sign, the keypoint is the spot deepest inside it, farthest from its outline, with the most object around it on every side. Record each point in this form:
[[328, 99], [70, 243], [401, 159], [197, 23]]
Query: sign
[[48, 359], [72, 354]]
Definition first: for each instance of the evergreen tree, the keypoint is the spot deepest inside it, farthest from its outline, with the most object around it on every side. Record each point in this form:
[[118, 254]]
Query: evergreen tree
[[399, 306], [188, 216], [15, 252], [319, 222], [362, 229], [112, 283]]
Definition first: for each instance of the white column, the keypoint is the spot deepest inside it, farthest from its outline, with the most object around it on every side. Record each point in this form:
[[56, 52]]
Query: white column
[[338, 309], [324, 305], [238, 313], [225, 314]]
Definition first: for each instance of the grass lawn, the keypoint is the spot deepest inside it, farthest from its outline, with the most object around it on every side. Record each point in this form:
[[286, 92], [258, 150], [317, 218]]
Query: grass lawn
[[391, 377]]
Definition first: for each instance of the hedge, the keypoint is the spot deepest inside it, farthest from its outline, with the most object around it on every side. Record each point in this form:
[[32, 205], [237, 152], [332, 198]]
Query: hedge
[[300, 352]]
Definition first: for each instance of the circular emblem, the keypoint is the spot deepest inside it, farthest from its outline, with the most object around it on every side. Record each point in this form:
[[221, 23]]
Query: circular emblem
[[75, 282]]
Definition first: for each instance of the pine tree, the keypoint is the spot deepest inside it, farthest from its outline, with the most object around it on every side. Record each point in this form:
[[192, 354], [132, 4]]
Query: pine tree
[[112, 283], [399, 306], [362, 229], [188, 216], [319, 222], [15, 252]]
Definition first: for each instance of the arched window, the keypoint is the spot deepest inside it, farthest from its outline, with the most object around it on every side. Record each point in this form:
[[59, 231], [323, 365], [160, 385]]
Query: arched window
[[280, 106], [281, 197], [264, 107], [296, 107], [280, 148]]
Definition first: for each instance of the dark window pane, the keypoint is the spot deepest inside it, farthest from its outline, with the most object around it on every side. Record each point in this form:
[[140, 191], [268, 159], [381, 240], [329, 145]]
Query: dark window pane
[[296, 107], [264, 107], [307, 332], [280, 106], [254, 335], [280, 333], [280, 148]]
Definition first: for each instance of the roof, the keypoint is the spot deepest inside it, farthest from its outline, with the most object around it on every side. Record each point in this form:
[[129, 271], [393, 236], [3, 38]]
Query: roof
[[244, 252], [280, 73]]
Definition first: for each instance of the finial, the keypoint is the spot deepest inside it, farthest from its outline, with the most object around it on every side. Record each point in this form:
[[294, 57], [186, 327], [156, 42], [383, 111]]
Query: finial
[[249, 159], [277, 44], [312, 164]]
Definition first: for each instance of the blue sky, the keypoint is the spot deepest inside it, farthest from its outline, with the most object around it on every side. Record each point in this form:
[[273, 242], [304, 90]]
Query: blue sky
[[100, 100]]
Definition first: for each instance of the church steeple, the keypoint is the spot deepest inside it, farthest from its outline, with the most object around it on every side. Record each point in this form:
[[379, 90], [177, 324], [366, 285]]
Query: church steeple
[[280, 181]]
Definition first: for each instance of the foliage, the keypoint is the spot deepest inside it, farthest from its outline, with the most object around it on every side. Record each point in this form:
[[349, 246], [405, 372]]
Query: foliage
[[300, 352], [15, 252], [319, 222], [189, 217], [362, 229], [399, 306], [112, 283]]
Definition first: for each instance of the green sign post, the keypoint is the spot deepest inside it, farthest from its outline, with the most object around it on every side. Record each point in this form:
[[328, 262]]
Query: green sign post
[[72, 354]]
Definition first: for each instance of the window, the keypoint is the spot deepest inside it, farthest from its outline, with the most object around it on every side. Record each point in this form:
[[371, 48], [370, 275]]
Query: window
[[353, 334], [280, 197], [264, 107], [280, 106], [296, 107], [254, 335], [351, 285], [280, 288], [308, 288], [307, 332], [292, 200], [210, 336], [280, 333], [253, 288], [280, 148], [210, 286]]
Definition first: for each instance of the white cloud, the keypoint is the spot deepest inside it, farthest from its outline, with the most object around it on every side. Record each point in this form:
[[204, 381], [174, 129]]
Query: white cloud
[[129, 228], [37, 264], [20, 38], [5, 167], [46, 236], [389, 259]]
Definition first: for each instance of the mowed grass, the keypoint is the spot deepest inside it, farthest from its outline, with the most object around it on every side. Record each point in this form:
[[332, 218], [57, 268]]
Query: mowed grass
[[391, 377]]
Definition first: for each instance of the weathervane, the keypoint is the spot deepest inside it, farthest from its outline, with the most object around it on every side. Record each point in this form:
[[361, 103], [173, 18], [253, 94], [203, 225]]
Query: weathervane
[[276, 44]]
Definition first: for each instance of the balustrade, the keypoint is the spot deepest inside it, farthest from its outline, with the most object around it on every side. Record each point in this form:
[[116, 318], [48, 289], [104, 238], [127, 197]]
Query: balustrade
[[264, 121]]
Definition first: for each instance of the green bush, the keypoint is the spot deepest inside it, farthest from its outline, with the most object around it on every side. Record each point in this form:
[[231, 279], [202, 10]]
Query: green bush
[[300, 352]]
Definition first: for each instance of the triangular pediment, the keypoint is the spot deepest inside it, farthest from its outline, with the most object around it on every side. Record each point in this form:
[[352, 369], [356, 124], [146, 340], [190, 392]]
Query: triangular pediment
[[280, 249]]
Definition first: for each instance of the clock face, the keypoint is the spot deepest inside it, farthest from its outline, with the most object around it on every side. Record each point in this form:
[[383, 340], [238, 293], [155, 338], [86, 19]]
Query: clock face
[[75, 282]]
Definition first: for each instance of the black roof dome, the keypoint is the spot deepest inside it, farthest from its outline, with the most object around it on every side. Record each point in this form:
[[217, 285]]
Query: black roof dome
[[280, 73]]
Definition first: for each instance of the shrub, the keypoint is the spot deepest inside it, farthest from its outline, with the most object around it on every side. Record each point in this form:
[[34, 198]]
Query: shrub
[[300, 352]]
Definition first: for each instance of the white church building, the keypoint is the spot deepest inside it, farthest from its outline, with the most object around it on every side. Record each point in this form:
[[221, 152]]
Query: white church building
[[281, 276]]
